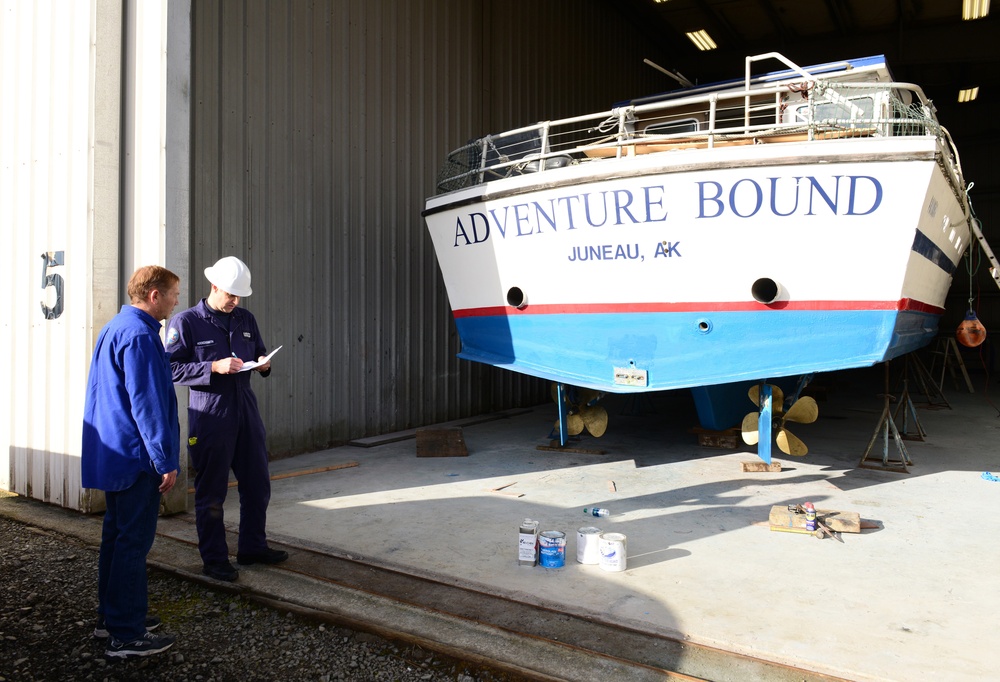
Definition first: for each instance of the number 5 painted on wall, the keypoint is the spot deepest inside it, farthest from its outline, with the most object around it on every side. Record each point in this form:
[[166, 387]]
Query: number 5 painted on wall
[[52, 259]]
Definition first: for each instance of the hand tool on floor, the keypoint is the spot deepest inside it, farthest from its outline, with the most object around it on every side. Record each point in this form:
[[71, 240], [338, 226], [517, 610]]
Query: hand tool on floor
[[823, 528]]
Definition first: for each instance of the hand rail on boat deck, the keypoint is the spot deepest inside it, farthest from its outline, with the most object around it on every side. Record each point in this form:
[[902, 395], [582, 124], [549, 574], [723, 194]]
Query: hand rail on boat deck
[[856, 111], [713, 111], [531, 148], [545, 145], [746, 83]]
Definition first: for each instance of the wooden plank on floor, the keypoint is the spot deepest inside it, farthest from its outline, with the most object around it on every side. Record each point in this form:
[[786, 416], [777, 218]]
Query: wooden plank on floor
[[384, 439], [297, 472], [579, 451]]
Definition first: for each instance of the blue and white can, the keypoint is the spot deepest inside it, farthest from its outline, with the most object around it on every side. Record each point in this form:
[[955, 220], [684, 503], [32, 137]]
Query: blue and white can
[[613, 551], [552, 549]]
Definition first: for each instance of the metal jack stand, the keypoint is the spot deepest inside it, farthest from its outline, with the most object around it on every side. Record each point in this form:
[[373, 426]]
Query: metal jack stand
[[885, 424], [563, 427], [948, 348], [595, 426], [906, 406], [928, 387]]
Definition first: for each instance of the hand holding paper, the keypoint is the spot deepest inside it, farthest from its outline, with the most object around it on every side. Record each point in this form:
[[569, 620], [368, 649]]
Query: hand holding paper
[[250, 364]]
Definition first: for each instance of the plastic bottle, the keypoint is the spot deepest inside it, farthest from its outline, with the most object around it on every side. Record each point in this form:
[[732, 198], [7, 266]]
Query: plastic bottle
[[810, 515], [597, 511]]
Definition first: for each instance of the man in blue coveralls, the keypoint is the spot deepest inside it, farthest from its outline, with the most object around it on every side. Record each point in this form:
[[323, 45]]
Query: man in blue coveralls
[[208, 345], [131, 444]]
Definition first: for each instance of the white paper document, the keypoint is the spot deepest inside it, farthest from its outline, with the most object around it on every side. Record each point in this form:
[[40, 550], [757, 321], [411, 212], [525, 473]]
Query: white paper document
[[250, 364]]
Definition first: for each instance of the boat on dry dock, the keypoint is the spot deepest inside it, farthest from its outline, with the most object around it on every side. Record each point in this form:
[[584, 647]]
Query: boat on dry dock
[[797, 221]]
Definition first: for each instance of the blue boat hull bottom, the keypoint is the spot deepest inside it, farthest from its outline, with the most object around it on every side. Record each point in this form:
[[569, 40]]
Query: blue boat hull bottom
[[687, 350]]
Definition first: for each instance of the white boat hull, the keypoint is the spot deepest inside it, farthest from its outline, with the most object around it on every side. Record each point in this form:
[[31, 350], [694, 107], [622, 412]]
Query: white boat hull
[[638, 276]]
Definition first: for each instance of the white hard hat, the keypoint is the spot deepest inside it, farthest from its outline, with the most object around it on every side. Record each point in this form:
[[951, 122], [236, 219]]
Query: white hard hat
[[231, 275]]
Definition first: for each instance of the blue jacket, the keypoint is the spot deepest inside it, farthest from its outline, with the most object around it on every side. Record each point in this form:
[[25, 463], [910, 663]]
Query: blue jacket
[[130, 414]]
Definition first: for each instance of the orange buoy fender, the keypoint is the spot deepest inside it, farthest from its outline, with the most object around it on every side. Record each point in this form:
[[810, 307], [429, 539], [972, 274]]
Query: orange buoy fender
[[970, 332]]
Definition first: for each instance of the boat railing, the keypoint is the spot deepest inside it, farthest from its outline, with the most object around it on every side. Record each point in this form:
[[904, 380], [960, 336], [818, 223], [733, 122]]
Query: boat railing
[[801, 110]]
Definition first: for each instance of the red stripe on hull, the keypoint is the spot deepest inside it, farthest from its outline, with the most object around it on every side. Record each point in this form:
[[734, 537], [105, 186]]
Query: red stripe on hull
[[902, 305]]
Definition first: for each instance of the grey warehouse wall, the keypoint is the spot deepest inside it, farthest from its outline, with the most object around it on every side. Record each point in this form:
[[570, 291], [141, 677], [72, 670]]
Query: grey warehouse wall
[[318, 128]]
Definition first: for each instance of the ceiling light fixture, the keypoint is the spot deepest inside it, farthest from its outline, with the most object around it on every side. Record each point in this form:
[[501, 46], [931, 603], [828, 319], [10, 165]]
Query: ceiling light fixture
[[975, 9], [968, 94], [702, 40]]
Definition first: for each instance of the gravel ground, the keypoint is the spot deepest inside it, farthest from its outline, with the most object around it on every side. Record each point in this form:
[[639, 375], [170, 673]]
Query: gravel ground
[[48, 599]]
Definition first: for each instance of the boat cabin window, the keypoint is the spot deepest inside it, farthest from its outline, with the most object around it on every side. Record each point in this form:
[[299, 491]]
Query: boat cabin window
[[840, 111], [684, 125]]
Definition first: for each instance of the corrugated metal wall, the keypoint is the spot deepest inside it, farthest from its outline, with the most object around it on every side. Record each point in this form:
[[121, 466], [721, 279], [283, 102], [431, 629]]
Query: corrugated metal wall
[[87, 193], [318, 128], [45, 147]]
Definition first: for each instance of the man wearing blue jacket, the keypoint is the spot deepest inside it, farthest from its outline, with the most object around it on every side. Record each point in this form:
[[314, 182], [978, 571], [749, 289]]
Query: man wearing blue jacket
[[131, 444], [208, 345]]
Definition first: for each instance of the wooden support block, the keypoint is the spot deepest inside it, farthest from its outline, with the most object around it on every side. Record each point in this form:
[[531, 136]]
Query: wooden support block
[[729, 439], [441, 442], [761, 466], [839, 521]]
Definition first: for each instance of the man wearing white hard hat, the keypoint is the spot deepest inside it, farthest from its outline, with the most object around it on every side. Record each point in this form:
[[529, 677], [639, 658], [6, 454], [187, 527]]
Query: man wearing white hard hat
[[208, 345]]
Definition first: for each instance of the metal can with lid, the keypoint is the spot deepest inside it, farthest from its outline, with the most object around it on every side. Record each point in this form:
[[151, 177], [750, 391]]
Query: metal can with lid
[[527, 543], [613, 551], [587, 550], [552, 549]]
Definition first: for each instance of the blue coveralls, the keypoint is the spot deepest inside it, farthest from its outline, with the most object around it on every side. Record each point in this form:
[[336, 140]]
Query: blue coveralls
[[225, 430]]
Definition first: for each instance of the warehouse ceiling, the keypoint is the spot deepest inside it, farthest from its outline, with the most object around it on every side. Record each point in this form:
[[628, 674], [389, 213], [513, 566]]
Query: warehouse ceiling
[[925, 42]]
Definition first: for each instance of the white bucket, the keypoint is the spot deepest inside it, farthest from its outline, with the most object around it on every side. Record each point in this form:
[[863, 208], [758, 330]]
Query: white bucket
[[613, 549], [587, 550]]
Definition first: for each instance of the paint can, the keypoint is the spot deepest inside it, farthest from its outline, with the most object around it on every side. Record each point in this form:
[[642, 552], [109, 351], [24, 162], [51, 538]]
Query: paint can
[[527, 543], [552, 549], [613, 549], [587, 551]]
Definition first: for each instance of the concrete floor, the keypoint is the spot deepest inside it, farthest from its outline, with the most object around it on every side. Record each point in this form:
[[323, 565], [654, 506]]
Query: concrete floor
[[916, 599], [425, 548]]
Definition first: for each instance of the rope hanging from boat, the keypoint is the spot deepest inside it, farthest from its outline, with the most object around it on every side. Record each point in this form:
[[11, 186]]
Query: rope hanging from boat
[[607, 125], [972, 262], [971, 332], [803, 88]]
